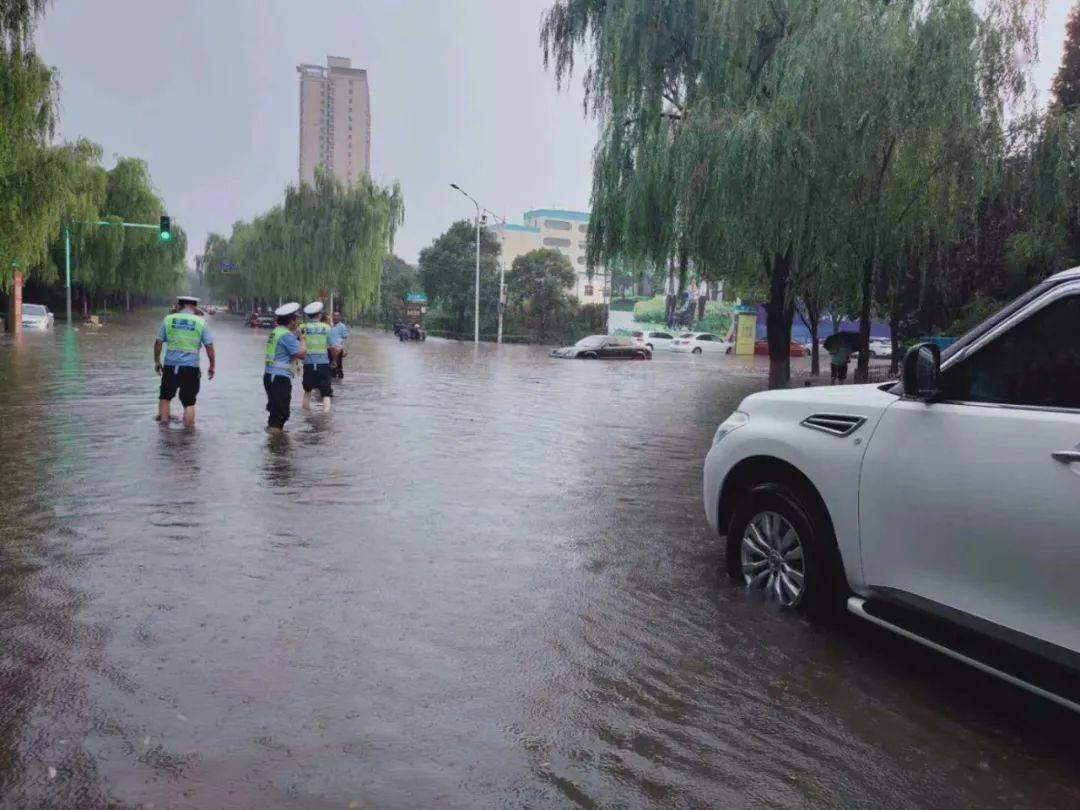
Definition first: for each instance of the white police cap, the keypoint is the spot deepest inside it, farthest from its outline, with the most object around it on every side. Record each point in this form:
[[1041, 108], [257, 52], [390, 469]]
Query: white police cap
[[314, 308], [187, 299], [290, 308]]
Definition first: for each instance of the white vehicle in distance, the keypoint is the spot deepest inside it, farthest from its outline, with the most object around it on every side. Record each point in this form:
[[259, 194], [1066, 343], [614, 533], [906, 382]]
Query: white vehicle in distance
[[36, 316], [700, 343], [942, 507], [653, 340], [880, 347]]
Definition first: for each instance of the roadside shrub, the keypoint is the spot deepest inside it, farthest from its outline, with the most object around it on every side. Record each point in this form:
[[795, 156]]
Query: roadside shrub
[[718, 319], [627, 304], [650, 310]]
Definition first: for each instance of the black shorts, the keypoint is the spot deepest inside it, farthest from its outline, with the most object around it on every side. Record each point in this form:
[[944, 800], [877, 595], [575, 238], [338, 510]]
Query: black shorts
[[278, 393], [839, 372], [183, 378], [317, 377]]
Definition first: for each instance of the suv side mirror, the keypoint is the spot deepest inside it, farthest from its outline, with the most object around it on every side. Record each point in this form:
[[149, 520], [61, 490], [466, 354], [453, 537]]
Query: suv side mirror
[[922, 366]]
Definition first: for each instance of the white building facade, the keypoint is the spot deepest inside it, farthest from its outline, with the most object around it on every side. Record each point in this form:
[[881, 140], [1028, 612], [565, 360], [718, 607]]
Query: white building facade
[[564, 231]]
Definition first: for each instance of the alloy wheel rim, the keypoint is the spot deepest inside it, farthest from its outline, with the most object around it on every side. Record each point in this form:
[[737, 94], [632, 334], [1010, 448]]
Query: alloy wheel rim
[[772, 558]]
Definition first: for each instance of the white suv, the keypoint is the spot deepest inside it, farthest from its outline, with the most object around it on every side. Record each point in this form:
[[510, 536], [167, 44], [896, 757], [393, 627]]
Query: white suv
[[945, 507]]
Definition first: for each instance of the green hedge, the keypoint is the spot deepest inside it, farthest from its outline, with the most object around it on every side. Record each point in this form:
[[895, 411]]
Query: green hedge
[[627, 304], [650, 310]]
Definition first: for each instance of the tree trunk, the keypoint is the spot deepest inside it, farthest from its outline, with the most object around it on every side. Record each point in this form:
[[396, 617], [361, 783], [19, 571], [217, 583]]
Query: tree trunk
[[862, 370], [810, 314], [127, 301], [669, 294], [894, 325], [779, 312], [13, 322]]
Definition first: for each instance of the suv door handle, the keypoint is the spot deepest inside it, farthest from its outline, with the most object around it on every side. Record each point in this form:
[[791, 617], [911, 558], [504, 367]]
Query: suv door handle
[[1066, 456]]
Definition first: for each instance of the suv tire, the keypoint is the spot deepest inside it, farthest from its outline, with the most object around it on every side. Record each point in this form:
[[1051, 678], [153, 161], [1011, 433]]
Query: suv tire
[[817, 561]]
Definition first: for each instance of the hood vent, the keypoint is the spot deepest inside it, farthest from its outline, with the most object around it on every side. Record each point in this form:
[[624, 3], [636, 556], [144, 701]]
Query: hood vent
[[838, 424]]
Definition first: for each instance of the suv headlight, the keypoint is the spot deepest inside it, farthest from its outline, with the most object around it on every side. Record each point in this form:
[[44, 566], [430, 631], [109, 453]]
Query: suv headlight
[[733, 422]]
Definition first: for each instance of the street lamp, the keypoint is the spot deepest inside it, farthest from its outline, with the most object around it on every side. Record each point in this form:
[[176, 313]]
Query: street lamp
[[502, 271], [476, 308]]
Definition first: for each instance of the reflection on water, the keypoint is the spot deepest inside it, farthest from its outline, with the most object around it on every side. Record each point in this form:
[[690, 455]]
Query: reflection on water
[[483, 580]]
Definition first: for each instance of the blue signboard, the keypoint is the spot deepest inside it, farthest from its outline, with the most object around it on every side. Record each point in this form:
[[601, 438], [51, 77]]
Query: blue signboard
[[415, 298]]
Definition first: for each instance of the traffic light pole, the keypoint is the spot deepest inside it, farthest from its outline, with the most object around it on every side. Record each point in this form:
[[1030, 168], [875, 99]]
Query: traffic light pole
[[160, 228], [67, 272]]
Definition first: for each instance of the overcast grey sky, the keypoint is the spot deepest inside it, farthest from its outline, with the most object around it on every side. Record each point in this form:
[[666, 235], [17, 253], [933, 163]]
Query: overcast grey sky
[[207, 92]]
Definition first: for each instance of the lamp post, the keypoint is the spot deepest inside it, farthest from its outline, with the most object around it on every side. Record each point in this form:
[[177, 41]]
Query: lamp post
[[502, 271], [476, 307]]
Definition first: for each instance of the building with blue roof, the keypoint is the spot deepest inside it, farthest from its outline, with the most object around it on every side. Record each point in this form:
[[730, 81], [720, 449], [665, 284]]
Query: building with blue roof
[[563, 230]]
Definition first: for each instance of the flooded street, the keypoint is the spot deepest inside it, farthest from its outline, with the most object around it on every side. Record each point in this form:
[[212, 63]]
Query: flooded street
[[485, 580]]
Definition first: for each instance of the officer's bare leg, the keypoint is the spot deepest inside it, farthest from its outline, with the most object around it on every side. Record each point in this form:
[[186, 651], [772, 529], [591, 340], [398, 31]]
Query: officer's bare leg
[[189, 416], [163, 414]]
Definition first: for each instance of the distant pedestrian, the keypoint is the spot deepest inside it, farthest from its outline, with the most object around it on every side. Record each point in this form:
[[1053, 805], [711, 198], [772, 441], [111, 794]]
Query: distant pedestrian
[[183, 332], [838, 364], [282, 347], [339, 335]]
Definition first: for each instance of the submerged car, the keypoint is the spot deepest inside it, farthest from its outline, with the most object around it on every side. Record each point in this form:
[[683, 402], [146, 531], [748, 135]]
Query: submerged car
[[761, 348], [942, 507], [700, 343], [653, 340], [603, 347], [36, 316]]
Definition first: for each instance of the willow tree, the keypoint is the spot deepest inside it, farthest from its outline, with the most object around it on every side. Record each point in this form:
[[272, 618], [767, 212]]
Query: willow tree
[[30, 201], [772, 140], [326, 238]]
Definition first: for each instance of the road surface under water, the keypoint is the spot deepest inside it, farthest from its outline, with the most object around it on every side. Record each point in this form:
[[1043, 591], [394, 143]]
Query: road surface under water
[[484, 581]]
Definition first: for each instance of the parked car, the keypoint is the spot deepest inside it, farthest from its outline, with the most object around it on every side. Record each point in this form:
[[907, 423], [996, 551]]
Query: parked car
[[942, 507], [700, 343], [257, 321], [653, 340], [880, 347], [36, 316], [603, 347], [761, 347]]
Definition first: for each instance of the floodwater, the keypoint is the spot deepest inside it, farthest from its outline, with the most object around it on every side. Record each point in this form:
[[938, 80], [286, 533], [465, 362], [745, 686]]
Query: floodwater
[[484, 581]]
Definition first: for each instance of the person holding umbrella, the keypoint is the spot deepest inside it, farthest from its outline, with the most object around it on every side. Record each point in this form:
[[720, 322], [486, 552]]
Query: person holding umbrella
[[839, 345]]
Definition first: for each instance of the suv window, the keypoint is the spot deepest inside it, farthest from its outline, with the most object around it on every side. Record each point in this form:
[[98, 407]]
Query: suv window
[[1037, 362], [661, 335]]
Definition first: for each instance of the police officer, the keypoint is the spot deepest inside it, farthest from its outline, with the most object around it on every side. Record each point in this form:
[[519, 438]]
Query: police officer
[[339, 332], [183, 332], [316, 333], [282, 347]]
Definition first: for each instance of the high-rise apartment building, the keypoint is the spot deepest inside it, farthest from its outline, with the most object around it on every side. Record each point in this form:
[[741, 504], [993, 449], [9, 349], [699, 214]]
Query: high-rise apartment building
[[335, 120]]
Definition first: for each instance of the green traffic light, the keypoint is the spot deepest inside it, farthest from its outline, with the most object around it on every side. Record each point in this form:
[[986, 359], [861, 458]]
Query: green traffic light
[[165, 236]]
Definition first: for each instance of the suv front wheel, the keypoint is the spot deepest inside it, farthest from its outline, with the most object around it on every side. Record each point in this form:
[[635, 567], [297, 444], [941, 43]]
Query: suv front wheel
[[776, 546]]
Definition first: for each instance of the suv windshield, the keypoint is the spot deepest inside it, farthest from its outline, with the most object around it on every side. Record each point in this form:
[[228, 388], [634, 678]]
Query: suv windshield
[[34, 309]]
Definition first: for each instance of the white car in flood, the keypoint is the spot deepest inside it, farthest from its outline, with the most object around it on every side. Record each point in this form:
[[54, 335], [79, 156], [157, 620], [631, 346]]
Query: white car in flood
[[36, 316], [700, 343], [653, 340], [943, 507]]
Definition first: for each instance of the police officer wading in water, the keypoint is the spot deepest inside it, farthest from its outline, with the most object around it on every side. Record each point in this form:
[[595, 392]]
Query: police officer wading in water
[[183, 332], [282, 347], [316, 333]]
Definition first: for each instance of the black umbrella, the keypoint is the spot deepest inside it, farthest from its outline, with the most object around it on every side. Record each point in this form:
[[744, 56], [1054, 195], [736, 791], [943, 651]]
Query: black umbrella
[[835, 341]]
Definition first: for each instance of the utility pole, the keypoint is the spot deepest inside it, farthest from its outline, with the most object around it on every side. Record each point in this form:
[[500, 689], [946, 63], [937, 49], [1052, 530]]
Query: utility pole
[[476, 306], [502, 272]]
